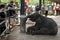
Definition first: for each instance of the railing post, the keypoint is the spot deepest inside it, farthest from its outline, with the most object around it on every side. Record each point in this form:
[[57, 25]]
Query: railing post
[[40, 4], [22, 17]]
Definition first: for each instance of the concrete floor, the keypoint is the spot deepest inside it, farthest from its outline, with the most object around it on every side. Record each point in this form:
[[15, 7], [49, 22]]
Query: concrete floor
[[16, 35]]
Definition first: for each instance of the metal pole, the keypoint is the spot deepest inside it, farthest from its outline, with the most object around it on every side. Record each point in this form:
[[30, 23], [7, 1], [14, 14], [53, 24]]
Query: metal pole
[[22, 17], [22, 7], [40, 4]]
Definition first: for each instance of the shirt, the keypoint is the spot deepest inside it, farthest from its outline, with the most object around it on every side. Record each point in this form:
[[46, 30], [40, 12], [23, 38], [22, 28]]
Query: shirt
[[2, 15]]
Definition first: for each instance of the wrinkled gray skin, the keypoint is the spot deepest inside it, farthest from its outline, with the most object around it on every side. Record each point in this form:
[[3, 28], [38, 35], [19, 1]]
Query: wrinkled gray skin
[[43, 26]]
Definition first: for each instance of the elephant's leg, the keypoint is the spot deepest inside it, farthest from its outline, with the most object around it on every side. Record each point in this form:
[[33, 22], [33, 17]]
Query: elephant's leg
[[43, 31], [30, 29], [53, 31]]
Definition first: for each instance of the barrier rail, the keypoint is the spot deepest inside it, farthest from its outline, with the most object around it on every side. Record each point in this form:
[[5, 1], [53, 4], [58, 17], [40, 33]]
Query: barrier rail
[[13, 9], [4, 30], [1, 24]]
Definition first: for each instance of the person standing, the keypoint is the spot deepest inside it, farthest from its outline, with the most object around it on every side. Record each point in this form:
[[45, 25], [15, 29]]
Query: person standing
[[2, 18], [37, 8], [11, 13], [46, 10], [54, 9], [57, 9], [11, 7], [27, 11]]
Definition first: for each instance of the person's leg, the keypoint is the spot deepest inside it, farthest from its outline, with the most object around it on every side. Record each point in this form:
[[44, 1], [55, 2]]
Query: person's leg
[[53, 12], [57, 12], [46, 13]]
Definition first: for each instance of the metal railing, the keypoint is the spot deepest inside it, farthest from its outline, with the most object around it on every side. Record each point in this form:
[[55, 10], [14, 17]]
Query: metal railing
[[1, 24]]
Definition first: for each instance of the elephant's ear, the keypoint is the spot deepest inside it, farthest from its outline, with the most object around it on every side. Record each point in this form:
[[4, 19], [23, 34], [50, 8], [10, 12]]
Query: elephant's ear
[[38, 20]]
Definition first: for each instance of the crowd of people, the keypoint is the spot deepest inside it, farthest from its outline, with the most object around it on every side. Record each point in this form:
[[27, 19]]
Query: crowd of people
[[7, 11], [28, 10], [57, 9], [53, 9], [2, 18]]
